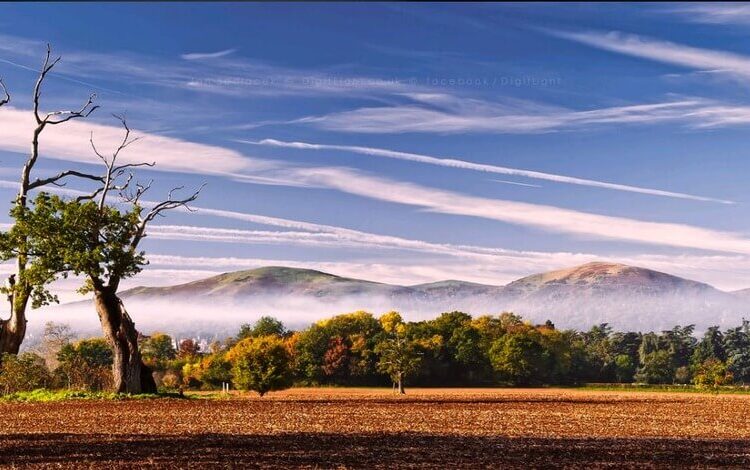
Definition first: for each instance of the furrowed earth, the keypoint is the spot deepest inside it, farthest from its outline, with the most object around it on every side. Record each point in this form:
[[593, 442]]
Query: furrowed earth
[[372, 428]]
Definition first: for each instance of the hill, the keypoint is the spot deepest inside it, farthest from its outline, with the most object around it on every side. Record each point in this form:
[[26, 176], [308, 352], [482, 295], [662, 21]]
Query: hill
[[626, 297]]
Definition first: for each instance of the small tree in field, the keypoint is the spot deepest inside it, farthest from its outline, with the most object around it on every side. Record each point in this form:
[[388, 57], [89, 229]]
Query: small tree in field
[[399, 357], [712, 373], [261, 364]]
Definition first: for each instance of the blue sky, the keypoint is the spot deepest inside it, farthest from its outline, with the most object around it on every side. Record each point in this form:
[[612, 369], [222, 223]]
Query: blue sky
[[409, 143]]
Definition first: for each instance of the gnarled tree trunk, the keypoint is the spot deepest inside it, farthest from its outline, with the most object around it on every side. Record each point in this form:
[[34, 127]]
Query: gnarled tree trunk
[[13, 330], [129, 373]]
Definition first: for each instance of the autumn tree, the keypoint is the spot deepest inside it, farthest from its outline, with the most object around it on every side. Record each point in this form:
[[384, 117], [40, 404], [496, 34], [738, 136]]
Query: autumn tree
[[712, 373], [264, 326], [261, 364], [22, 373], [91, 237], [336, 359], [27, 284], [188, 349], [157, 350], [399, 356]]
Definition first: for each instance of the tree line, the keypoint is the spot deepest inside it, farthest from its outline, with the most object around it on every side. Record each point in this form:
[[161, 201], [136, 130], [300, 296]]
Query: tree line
[[359, 349]]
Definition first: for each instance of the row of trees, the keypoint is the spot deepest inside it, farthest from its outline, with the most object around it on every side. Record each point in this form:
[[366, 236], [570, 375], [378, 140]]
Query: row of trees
[[453, 349], [94, 236]]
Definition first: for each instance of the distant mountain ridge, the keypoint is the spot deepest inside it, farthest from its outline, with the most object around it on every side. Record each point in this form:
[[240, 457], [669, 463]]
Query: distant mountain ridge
[[281, 279], [622, 295]]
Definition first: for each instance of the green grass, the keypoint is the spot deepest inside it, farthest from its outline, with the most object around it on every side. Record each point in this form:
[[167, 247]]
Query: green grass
[[44, 395]]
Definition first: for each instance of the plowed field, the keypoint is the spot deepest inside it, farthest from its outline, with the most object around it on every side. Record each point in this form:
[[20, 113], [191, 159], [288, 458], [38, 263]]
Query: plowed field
[[325, 428]]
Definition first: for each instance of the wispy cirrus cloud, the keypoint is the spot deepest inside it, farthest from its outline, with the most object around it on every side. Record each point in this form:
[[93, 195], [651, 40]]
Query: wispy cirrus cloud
[[713, 13], [70, 142], [444, 114], [543, 217], [466, 165], [207, 55], [219, 73], [661, 51]]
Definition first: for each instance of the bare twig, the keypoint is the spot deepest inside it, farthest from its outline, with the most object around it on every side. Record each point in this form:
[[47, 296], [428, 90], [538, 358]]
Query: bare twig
[[158, 209], [6, 96], [53, 118]]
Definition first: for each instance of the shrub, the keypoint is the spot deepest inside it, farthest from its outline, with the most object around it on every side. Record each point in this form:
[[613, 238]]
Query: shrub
[[712, 373], [261, 364], [23, 373], [85, 365]]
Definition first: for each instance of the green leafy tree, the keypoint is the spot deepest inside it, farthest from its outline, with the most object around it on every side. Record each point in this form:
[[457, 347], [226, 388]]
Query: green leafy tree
[[399, 359], [712, 373], [737, 347], [680, 343], [711, 346], [86, 364], [264, 326], [399, 356], [657, 368], [261, 364], [157, 350], [99, 242], [519, 358], [625, 368]]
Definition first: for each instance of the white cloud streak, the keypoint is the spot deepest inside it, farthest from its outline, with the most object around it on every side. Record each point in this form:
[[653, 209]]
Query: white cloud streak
[[714, 13], [71, 142], [445, 116], [466, 165], [547, 218], [661, 51], [207, 55]]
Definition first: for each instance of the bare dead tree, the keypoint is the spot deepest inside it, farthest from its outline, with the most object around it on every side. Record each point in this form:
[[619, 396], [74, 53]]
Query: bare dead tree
[[18, 287]]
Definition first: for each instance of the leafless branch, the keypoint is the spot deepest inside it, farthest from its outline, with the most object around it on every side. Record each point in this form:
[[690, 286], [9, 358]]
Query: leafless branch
[[65, 116], [158, 209], [53, 118], [6, 96], [114, 172], [55, 179], [134, 197]]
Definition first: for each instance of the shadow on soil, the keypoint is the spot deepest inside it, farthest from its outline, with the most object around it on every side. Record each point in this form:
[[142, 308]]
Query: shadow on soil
[[401, 450]]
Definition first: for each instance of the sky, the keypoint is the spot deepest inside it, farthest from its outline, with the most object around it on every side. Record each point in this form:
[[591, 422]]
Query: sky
[[407, 143]]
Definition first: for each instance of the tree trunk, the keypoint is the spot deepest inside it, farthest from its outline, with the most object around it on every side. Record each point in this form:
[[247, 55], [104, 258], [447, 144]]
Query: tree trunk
[[13, 330], [401, 384], [129, 373]]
